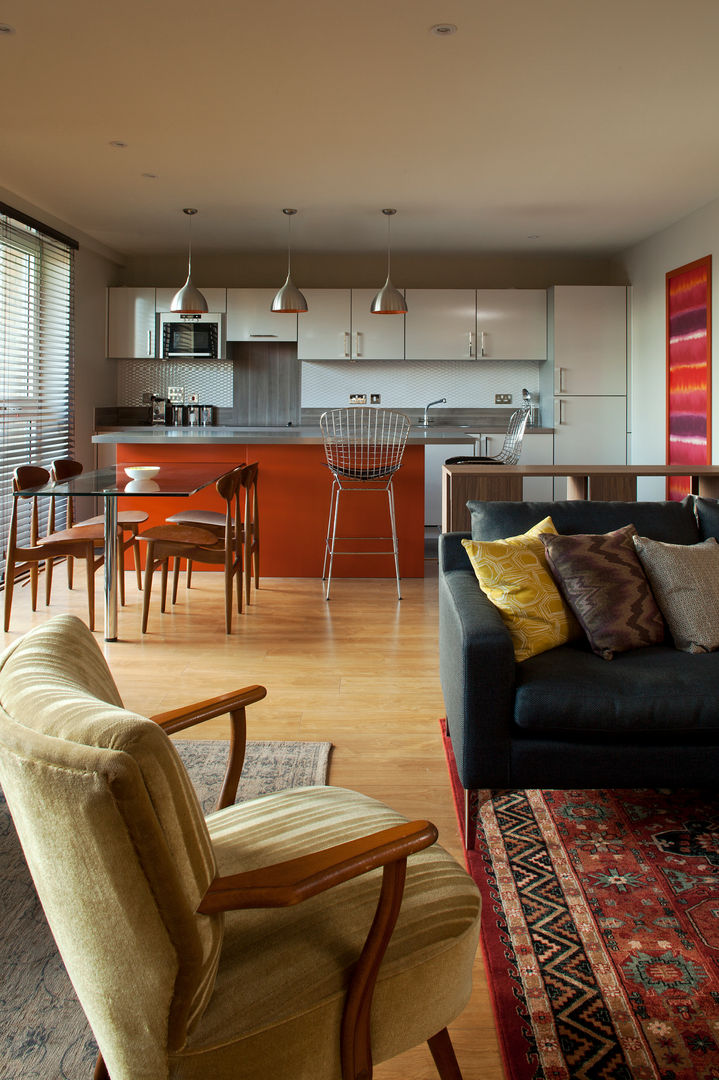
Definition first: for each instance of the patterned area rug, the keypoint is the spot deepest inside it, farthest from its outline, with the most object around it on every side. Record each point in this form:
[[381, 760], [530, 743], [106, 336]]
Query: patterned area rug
[[43, 1031], [600, 930]]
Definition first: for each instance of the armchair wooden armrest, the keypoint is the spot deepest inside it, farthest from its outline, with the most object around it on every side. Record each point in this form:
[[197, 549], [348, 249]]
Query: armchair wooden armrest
[[291, 882], [233, 703]]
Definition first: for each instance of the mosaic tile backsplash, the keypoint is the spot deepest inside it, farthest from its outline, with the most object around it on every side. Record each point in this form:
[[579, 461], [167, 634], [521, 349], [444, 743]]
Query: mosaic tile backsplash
[[211, 380]]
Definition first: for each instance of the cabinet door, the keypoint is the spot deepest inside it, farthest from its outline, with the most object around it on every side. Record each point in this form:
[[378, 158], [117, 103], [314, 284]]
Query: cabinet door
[[435, 456], [216, 298], [131, 323], [324, 330], [590, 339], [537, 450], [590, 431], [512, 324], [375, 337], [249, 317], [440, 324]]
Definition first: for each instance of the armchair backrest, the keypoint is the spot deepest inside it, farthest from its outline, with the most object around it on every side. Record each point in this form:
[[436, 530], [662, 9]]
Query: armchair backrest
[[116, 843]]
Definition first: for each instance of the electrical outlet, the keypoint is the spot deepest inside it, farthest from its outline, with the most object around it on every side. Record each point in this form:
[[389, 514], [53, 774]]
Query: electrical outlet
[[176, 394], [375, 399], [194, 399], [502, 399], [358, 399]]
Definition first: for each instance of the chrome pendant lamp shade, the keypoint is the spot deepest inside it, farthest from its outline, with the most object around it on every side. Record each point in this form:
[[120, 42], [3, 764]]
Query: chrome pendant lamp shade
[[188, 299], [388, 301], [289, 300]]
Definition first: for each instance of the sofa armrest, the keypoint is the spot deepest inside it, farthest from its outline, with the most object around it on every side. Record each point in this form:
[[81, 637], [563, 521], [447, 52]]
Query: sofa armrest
[[477, 671]]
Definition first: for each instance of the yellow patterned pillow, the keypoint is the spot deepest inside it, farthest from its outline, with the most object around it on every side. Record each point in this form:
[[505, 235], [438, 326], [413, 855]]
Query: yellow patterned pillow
[[514, 575]]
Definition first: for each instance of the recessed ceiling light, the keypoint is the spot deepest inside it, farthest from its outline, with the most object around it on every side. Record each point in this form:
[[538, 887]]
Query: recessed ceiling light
[[6, 29], [443, 29], [118, 144]]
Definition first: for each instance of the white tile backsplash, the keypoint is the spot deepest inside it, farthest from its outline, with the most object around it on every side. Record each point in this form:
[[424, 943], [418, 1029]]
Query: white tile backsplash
[[467, 384]]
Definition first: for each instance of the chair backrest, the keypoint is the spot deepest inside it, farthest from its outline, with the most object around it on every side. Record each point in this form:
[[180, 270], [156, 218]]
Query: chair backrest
[[115, 841], [64, 469], [364, 442], [26, 476], [512, 445]]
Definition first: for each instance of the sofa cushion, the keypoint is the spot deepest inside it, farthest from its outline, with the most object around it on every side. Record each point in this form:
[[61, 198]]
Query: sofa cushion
[[653, 691], [685, 583], [513, 574], [673, 522], [707, 513], [603, 582]]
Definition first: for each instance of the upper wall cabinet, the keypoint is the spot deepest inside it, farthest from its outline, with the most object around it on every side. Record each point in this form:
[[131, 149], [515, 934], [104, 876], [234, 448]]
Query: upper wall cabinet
[[249, 317], [131, 323], [461, 324], [338, 325], [216, 298], [441, 324], [588, 338], [511, 324]]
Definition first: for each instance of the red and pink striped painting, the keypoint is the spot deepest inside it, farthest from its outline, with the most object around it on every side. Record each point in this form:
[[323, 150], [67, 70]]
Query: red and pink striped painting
[[688, 370]]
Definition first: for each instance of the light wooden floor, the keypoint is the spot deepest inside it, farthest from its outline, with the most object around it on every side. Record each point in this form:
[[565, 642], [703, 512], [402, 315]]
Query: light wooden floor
[[360, 671]]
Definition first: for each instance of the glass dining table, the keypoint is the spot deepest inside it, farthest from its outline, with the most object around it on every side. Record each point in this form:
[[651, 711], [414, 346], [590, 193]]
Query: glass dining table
[[112, 484]]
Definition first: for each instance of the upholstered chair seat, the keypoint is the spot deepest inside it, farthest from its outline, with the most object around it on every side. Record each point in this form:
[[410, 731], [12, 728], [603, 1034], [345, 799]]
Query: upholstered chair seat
[[233, 947]]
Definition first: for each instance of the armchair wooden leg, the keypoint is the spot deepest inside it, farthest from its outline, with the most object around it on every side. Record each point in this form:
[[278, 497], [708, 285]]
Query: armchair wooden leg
[[149, 561], [9, 584], [70, 571], [163, 583], [136, 560], [175, 577], [48, 580], [442, 1051], [34, 571], [101, 1072]]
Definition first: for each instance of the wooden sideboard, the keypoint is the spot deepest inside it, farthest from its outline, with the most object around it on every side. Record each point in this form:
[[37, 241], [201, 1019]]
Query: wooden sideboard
[[504, 483]]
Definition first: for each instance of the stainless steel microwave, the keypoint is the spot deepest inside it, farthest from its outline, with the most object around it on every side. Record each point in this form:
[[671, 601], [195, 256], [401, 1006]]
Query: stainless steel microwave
[[200, 335]]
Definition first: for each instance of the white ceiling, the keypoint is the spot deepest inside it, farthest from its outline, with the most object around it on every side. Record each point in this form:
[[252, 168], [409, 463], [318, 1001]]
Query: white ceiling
[[584, 124]]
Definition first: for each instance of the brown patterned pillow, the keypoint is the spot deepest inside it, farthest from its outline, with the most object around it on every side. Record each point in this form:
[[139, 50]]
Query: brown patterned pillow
[[604, 584], [685, 582]]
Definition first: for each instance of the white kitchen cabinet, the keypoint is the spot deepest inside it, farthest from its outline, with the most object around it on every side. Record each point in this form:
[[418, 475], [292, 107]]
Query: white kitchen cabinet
[[589, 431], [131, 323], [374, 337], [511, 324], [250, 318], [588, 339], [216, 298], [338, 325], [435, 455], [441, 324]]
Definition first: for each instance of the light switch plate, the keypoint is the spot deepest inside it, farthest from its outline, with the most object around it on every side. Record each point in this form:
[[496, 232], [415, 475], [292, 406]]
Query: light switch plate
[[502, 399], [375, 399]]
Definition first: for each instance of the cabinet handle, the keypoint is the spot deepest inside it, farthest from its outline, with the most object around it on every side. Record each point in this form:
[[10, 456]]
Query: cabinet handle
[[358, 346], [559, 412], [149, 343], [347, 344], [472, 352], [482, 351], [264, 335], [561, 382]]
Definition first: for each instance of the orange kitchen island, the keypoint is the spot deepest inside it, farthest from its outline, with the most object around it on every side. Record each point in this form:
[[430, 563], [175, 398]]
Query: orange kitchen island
[[294, 496]]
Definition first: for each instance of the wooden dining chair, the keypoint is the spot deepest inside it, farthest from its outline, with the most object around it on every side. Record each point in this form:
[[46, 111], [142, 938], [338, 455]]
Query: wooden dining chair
[[77, 541], [215, 521], [201, 544], [129, 522]]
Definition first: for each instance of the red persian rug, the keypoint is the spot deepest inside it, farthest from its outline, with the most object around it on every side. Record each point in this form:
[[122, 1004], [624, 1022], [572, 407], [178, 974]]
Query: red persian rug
[[600, 930]]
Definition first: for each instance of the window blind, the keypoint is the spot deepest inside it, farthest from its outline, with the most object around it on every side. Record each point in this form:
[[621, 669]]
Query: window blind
[[36, 359]]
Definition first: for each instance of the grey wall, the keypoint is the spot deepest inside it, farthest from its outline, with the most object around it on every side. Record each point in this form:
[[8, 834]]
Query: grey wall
[[95, 376]]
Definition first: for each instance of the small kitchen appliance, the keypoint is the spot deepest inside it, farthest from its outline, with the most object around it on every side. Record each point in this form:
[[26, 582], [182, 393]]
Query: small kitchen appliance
[[160, 409], [178, 414], [192, 335]]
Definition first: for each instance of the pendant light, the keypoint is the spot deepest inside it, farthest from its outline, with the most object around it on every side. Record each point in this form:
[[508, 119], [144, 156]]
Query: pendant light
[[289, 300], [388, 301], [188, 299]]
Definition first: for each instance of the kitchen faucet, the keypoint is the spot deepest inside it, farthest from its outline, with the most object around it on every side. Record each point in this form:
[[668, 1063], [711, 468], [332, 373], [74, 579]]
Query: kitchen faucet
[[425, 420]]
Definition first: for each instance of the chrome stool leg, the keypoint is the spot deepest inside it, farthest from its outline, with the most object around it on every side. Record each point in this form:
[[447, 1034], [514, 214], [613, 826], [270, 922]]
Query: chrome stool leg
[[331, 549], [329, 529]]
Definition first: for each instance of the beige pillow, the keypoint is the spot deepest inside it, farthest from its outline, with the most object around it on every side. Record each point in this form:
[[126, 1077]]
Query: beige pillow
[[514, 575], [685, 582]]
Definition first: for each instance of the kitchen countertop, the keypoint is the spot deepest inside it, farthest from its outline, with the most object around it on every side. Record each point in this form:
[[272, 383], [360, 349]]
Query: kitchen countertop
[[305, 434]]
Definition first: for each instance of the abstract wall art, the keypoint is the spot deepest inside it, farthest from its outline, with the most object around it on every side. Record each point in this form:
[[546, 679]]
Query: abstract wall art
[[688, 314]]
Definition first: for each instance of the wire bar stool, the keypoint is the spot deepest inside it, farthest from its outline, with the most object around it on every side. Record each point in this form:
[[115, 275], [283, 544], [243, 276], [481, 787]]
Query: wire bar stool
[[511, 447], [364, 447]]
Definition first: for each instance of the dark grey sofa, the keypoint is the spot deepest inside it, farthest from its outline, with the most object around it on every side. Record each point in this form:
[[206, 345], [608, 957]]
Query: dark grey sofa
[[567, 718]]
